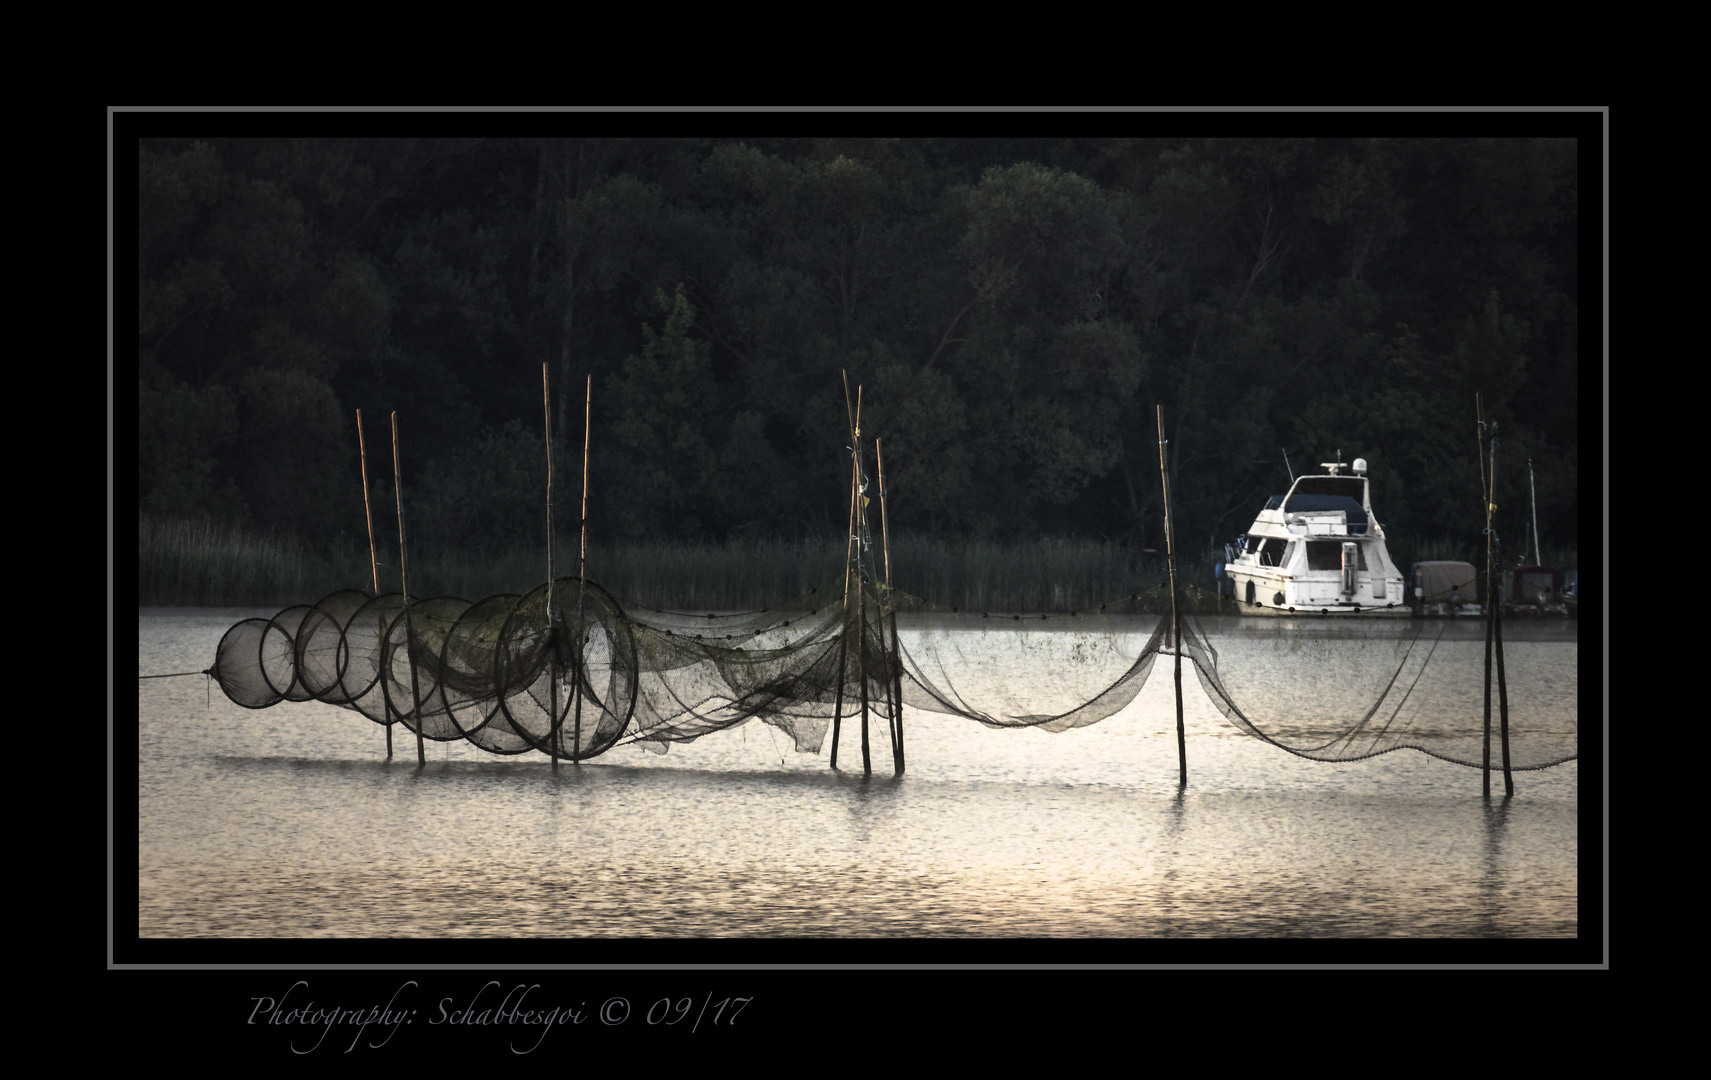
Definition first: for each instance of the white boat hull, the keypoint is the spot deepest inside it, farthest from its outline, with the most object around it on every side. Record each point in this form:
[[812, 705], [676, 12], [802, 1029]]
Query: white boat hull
[[1300, 595], [1318, 550]]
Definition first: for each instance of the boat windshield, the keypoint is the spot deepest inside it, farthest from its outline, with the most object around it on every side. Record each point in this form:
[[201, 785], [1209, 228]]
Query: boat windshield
[[1269, 550], [1353, 487]]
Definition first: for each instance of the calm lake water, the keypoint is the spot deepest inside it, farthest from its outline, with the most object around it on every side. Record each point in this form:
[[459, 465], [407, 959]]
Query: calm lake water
[[291, 822]]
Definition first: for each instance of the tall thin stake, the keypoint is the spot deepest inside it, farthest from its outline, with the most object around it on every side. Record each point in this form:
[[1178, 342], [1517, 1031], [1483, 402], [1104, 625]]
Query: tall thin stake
[[895, 683], [1533, 492], [1503, 706], [1175, 616], [861, 596], [844, 636], [553, 734], [368, 515], [404, 579], [373, 563], [582, 576], [1491, 598], [1497, 639]]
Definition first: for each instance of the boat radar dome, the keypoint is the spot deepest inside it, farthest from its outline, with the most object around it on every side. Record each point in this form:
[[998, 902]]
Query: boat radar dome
[[1359, 466]]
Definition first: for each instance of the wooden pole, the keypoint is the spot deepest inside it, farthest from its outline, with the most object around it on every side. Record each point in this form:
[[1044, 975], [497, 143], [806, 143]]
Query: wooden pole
[[373, 564], [368, 515], [844, 633], [1503, 708], [587, 411], [861, 595], [582, 576], [552, 629], [861, 672], [894, 685], [1497, 638], [1175, 616], [843, 640], [1491, 598], [404, 579]]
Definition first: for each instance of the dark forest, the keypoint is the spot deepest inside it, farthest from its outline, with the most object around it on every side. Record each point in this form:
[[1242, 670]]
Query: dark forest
[[1013, 310]]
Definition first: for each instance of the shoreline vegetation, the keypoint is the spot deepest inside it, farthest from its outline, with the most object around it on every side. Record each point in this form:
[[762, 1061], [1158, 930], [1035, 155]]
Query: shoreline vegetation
[[199, 563], [1020, 321]]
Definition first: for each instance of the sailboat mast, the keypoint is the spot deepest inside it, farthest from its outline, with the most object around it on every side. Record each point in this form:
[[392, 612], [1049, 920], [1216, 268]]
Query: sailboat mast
[[1534, 493]]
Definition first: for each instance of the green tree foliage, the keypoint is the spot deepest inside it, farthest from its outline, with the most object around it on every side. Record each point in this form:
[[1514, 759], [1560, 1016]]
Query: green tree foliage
[[176, 193], [488, 496], [929, 459], [1044, 374], [1014, 311], [662, 434], [292, 416], [1488, 357], [181, 438]]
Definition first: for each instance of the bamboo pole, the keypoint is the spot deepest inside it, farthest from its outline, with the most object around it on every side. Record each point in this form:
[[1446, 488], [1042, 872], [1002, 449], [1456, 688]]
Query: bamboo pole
[[1497, 637], [373, 563], [404, 579], [844, 633], [1503, 708], [1493, 616], [861, 672], [861, 594], [1175, 616], [1491, 598], [368, 515], [894, 685], [582, 576], [552, 629], [843, 637]]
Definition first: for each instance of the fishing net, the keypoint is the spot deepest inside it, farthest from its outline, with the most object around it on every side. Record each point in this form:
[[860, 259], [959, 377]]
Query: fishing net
[[567, 671], [1342, 688], [1010, 670]]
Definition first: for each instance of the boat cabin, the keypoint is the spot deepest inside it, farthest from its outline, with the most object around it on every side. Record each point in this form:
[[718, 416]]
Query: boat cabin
[[1319, 547]]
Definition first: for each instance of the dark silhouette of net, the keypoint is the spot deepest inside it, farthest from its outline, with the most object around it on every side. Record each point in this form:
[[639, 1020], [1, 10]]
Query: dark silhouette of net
[[1331, 689], [577, 675]]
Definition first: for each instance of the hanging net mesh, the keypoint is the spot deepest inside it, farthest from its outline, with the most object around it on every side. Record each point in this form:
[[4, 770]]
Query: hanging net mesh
[[566, 670], [1337, 689]]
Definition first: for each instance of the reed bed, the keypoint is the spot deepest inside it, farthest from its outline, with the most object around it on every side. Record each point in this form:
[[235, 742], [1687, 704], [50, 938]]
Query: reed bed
[[1013, 576], [202, 563], [196, 563], [1022, 575], [209, 564]]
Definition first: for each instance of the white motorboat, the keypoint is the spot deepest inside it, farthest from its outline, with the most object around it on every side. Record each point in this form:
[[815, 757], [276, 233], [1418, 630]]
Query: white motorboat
[[1318, 549]]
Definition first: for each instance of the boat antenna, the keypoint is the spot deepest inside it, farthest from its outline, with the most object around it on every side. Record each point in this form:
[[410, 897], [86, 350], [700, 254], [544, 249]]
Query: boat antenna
[[1286, 465]]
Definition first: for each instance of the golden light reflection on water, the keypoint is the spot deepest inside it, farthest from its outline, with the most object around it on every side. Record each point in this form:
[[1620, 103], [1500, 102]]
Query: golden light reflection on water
[[290, 822]]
